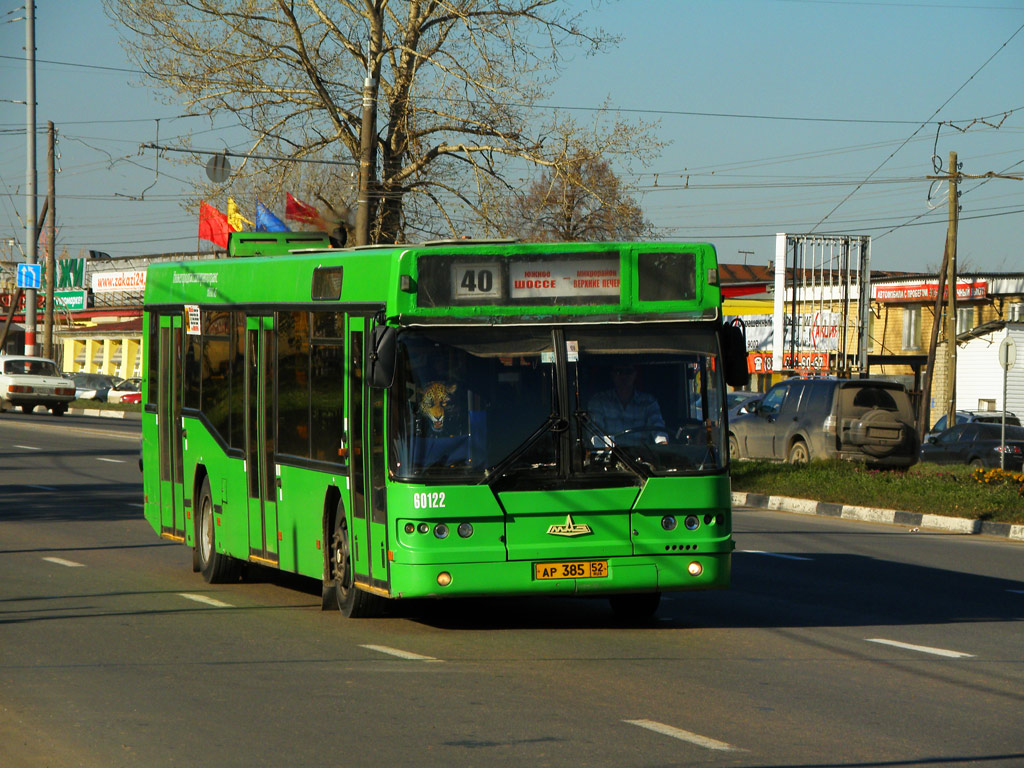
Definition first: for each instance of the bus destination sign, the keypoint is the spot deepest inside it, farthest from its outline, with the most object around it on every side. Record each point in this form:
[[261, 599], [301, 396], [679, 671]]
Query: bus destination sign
[[563, 279]]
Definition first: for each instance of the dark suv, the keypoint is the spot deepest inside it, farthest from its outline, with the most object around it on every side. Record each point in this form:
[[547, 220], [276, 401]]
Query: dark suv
[[802, 419]]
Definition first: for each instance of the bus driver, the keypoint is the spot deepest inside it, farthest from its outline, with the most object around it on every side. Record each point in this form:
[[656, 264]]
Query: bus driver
[[624, 415]]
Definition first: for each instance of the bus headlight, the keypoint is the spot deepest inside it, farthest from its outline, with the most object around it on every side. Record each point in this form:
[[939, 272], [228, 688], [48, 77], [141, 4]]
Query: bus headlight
[[440, 531], [465, 530], [444, 579], [695, 568], [669, 522], [692, 523]]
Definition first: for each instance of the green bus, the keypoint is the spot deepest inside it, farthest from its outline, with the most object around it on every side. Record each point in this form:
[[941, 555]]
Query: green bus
[[451, 419]]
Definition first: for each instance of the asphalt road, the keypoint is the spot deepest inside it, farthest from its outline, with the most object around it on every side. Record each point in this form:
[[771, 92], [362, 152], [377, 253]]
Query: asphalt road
[[840, 644]]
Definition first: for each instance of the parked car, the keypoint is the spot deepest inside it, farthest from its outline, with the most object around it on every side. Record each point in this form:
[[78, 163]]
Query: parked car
[[737, 398], [978, 444], [93, 386], [120, 391], [131, 397], [975, 417], [27, 381], [798, 420]]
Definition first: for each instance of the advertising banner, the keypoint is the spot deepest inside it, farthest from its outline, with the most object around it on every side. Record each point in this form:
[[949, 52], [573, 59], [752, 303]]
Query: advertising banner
[[816, 331], [929, 291], [118, 282]]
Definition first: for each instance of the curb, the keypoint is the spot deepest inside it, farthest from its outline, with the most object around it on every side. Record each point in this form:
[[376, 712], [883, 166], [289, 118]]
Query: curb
[[104, 413], [874, 515]]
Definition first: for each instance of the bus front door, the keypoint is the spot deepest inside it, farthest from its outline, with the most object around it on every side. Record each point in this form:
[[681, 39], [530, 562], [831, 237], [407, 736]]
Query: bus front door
[[169, 429], [260, 467], [368, 526]]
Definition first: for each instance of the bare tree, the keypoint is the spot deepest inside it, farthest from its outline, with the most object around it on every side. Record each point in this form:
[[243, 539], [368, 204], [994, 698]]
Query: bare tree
[[456, 85], [582, 199]]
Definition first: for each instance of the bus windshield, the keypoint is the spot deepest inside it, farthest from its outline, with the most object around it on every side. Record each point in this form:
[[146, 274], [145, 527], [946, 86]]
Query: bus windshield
[[583, 403]]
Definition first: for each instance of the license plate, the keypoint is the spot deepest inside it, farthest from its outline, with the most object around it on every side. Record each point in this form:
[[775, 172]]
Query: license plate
[[586, 569]]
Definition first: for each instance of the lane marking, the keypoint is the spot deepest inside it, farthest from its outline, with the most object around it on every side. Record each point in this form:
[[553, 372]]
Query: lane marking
[[679, 733], [921, 648], [62, 561], [28, 447], [41, 487], [776, 554], [205, 600], [1016, 591], [400, 654], [112, 461]]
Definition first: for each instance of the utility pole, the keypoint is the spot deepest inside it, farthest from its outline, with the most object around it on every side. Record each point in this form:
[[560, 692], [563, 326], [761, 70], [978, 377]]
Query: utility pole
[[51, 241], [30, 170], [950, 259], [367, 159]]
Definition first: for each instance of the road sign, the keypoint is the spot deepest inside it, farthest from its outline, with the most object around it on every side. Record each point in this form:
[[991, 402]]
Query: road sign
[[29, 276], [1007, 353]]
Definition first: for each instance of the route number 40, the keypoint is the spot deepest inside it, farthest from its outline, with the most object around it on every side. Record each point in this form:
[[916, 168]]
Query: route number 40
[[476, 281]]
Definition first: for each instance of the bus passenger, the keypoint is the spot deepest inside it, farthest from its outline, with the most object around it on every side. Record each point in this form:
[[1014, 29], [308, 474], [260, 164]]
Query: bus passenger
[[624, 415]]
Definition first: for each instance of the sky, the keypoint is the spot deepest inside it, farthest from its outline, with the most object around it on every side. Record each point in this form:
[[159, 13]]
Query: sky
[[798, 116]]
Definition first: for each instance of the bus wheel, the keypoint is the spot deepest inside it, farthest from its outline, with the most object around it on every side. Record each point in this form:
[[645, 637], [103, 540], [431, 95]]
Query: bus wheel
[[215, 567], [636, 607], [352, 601]]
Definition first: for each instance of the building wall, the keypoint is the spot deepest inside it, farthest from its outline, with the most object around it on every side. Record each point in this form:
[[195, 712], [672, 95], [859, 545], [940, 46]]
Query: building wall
[[979, 377]]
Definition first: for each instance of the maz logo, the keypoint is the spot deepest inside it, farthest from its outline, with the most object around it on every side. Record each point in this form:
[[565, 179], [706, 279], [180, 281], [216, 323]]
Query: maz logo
[[569, 528]]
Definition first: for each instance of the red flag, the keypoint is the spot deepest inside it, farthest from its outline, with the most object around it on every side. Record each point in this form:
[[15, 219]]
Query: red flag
[[213, 225], [296, 210]]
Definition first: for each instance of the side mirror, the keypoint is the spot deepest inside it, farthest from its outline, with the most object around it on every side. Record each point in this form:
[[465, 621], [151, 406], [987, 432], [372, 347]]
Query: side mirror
[[733, 340], [750, 407], [381, 361], [931, 438]]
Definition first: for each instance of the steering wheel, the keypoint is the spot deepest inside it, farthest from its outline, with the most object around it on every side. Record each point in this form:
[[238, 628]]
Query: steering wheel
[[690, 431], [654, 431]]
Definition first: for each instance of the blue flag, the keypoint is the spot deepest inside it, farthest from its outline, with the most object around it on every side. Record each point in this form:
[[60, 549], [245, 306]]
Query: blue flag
[[268, 222]]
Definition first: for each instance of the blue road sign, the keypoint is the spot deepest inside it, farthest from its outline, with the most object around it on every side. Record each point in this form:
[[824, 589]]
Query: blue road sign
[[30, 276]]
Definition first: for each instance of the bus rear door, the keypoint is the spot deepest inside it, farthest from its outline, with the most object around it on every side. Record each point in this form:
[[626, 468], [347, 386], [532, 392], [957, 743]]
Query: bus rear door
[[260, 467], [169, 429]]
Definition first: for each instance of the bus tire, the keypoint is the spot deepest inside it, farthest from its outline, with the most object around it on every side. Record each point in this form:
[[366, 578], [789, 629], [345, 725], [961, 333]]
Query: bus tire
[[635, 607], [215, 567], [353, 602]]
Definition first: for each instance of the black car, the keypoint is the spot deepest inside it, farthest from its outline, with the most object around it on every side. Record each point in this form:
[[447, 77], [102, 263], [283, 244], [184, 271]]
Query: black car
[[977, 444]]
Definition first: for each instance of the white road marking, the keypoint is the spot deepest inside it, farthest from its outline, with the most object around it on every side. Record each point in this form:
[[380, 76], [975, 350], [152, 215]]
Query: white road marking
[[400, 654], [679, 733], [206, 600], [62, 561], [112, 461], [921, 648], [775, 554], [41, 487], [1016, 591], [28, 447]]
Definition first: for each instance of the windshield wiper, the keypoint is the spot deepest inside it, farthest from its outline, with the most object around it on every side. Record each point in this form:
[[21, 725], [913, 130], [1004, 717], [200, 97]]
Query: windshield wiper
[[553, 423], [633, 464]]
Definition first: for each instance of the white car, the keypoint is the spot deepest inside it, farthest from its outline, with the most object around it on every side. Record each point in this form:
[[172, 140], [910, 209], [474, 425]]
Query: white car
[[31, 381], [118, 392]]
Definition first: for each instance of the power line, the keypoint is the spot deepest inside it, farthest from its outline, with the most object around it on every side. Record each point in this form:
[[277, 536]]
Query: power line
[[918, 130], [622, 110]]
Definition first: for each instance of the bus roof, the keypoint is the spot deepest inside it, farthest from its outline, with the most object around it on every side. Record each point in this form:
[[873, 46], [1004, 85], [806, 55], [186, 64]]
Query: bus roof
[[455, 280]]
